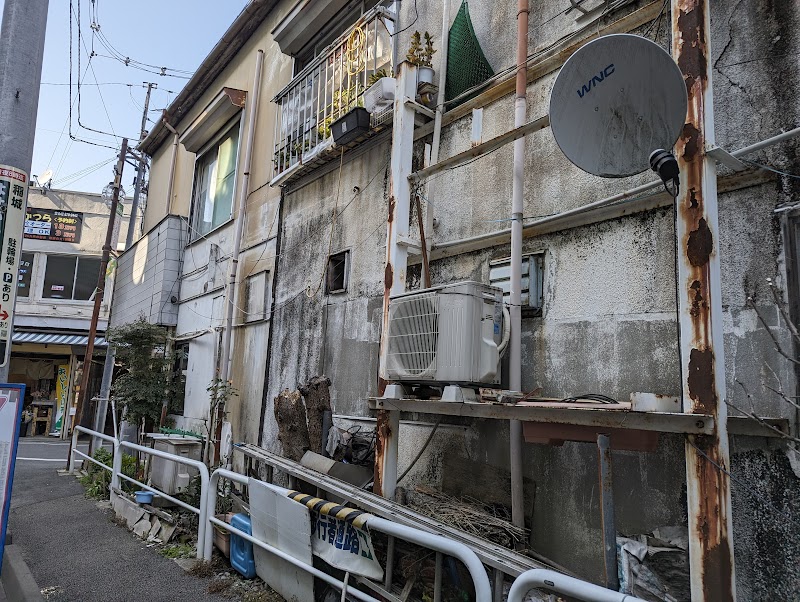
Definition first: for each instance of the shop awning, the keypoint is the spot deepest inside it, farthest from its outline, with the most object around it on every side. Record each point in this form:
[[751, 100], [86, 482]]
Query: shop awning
[[56, 338]]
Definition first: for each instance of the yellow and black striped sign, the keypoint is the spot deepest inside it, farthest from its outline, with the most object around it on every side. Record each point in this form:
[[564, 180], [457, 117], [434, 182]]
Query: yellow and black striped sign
[[357, 518]]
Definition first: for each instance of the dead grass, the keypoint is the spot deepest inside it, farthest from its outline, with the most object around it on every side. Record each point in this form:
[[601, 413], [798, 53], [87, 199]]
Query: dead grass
[[218, 586]]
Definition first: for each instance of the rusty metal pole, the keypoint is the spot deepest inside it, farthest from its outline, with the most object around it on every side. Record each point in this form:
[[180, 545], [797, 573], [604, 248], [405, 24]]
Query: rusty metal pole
[[99, 292], [394, 281], [515, 309], [700, 313], [609, 526]]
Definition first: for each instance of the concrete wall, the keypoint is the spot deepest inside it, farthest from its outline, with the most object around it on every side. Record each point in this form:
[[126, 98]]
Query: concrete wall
[[34, 311]]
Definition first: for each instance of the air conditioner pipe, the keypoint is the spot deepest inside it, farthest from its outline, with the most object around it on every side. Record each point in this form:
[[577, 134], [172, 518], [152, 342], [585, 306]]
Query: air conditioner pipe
[[501, 348], [172, 162]]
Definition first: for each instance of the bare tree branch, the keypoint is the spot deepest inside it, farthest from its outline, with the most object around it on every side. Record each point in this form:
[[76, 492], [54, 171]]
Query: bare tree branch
[[764, 423], [778, 347], [779, 302]]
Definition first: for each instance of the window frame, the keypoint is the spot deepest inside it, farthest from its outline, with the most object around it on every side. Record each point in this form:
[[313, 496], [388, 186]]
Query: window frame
[[345, 276], [237, 121], [72, 298], [31, 279]]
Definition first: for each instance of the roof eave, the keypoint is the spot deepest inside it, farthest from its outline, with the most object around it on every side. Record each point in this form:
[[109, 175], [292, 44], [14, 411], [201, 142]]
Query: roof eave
[[229, 45]]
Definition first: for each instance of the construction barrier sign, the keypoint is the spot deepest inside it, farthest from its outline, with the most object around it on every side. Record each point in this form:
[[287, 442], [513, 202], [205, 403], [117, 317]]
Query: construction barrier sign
[[13, 198]]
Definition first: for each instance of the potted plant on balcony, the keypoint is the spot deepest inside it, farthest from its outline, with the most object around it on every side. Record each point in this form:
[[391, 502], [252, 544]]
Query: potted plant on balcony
[[420, 54], [380, 91]]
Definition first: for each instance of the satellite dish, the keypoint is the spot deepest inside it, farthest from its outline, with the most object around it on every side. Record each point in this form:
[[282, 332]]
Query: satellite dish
[[46, 177], [615, 101]]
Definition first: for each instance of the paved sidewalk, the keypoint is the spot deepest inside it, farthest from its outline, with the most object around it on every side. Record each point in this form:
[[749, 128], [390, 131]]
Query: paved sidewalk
[[74, 550]]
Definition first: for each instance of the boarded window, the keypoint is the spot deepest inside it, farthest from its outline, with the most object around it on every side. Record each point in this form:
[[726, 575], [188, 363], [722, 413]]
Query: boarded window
[[336, 274], [256, 297], [532, 280]]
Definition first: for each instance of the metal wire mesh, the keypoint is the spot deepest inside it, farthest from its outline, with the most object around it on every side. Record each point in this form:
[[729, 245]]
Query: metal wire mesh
[[466, 64]]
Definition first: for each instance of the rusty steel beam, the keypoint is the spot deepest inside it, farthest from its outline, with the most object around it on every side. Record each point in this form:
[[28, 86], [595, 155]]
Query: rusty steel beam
[[700, 313], [661, 422], [608, 523]]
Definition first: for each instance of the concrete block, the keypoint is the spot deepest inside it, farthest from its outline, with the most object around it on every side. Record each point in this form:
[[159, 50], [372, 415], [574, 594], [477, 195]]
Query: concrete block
[[128, 510], [142, 528], [155, 527], [187, 564], [165, 534], [17, 579]]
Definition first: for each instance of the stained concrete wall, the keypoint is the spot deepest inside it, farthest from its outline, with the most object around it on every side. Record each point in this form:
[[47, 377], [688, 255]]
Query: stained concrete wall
[[609, 320]]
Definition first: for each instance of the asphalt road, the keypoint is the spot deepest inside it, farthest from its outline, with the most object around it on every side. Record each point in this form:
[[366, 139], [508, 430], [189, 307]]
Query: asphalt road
[[74, 550]]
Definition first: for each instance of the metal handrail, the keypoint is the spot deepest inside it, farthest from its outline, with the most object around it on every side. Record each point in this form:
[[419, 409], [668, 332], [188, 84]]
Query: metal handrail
[[76, 452], [434, 542], [563, 584], [202, 523]]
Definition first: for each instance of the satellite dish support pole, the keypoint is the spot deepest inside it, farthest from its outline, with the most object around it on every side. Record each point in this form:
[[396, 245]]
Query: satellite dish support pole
[[702, 360], [518, 188]]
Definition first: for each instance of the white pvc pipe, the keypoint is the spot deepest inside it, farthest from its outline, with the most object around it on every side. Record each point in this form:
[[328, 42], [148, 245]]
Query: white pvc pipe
[[104, 437], [562, 584], [483, 591]]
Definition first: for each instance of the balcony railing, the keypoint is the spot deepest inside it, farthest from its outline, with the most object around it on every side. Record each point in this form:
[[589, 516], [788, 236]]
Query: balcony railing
[[327, 89]]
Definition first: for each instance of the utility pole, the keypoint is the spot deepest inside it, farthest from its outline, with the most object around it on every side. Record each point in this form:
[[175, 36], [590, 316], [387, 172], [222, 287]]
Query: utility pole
[[111, 352], [140, 168], [21, 51], [100, 290]]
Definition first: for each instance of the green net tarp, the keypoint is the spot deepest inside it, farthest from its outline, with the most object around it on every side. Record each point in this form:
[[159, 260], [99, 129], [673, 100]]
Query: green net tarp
[[467, 66]]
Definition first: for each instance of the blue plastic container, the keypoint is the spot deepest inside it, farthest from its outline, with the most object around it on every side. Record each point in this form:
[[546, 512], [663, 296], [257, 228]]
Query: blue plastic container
[[242, 550], [144, 497]]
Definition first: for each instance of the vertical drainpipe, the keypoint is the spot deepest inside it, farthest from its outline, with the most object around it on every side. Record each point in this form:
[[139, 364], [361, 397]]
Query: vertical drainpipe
[[515, 358], [241, 205], [700, 313], [437, 126]]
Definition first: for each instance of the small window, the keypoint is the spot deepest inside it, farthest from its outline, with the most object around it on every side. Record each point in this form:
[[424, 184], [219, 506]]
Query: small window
[[70, 277], [256, 297], [214, 182], [532, 281], [25, 273], [336, 275]]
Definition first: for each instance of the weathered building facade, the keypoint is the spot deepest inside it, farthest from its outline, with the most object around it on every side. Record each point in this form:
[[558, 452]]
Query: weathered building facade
[[311, 271]]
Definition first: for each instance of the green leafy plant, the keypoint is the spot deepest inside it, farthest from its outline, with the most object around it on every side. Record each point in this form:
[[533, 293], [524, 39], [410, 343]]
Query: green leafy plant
[[148, 380], [377, 76], [178, 550], [421, 53], [97, 479]]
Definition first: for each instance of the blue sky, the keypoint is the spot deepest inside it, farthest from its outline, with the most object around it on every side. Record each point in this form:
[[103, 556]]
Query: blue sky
[[173, 33]]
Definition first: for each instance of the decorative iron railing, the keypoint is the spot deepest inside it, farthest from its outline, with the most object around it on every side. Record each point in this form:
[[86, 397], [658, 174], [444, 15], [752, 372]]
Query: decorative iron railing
[[329, 87]]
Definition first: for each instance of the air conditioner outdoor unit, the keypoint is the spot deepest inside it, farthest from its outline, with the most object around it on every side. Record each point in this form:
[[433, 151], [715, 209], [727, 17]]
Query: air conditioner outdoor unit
[[449, 335]]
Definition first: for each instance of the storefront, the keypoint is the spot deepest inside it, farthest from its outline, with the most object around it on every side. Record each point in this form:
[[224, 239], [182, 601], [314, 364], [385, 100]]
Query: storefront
[[50, 365]]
